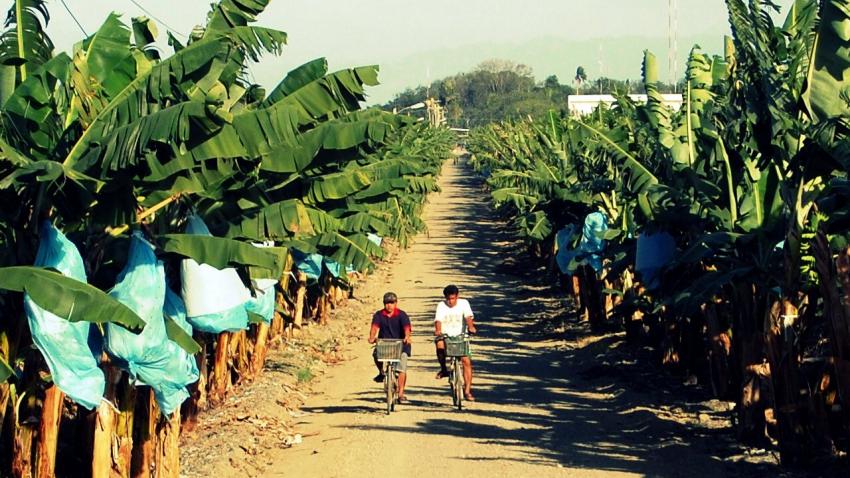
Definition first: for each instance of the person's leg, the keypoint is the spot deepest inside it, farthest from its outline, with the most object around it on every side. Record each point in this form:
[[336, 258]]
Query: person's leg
[[467, 377], [441, 357], [379, 365], [402, 375]]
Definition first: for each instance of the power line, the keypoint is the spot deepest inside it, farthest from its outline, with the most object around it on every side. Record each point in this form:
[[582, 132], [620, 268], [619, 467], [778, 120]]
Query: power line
[[134, 2], [74, 17]]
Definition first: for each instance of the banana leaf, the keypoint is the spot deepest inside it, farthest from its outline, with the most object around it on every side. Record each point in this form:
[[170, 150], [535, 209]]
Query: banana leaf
[[222, 253], [827, 93], [180, 337], [68, 298]]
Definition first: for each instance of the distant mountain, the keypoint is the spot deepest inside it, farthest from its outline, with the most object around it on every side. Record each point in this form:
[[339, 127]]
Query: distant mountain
[[621, 58]]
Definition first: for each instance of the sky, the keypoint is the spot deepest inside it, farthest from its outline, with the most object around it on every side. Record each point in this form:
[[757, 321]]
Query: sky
[[417, 41]]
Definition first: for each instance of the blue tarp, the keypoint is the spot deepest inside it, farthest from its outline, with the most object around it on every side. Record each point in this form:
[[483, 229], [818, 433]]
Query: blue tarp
[[150, 356], [64, 344]]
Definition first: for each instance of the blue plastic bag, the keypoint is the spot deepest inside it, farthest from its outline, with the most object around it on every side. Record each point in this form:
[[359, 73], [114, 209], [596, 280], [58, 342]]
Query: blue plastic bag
[[592, 238], [653, 251], [565, 254], [309, 264], [590, 246], [333, 267], [263, 304], [150, 356], [176, 310], [215, 299], [64, 344]]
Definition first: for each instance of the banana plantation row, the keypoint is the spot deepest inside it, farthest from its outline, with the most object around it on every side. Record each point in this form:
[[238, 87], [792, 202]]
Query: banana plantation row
[[718, 233], [163, 221]]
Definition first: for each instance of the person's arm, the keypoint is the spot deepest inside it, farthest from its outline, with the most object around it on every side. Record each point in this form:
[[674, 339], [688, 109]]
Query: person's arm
[[438, 325], [408, 329], [373, 333], [470, 325]]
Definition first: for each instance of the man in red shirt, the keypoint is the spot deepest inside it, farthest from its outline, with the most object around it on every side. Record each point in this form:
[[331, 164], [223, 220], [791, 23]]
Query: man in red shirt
[[392, 323]]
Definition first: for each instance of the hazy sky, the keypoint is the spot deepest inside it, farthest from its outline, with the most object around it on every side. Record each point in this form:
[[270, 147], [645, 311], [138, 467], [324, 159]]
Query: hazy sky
[[395, 33]]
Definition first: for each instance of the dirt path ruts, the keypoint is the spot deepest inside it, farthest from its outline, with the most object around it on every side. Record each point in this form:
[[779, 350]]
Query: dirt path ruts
[[545, 407]]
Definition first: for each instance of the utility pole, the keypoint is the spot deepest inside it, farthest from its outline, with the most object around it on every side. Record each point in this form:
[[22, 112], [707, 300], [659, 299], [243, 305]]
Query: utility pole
[[673, 42]]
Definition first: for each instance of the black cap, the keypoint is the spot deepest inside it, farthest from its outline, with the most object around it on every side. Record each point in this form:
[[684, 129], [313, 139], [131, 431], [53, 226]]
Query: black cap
[[390, 297]]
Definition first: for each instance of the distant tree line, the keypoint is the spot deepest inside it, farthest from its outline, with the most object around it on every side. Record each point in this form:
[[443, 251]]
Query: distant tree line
[[501, 89]]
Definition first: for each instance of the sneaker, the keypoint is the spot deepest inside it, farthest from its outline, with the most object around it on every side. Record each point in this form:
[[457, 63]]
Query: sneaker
[[379, 378]]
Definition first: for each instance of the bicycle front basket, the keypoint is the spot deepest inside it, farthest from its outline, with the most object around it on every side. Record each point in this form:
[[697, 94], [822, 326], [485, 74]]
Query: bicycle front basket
[[389, 349], [457, 346]]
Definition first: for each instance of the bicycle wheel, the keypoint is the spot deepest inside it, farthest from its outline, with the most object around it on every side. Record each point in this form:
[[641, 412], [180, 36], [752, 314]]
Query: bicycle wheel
[[452, 375], [458, 385], [390, 388]]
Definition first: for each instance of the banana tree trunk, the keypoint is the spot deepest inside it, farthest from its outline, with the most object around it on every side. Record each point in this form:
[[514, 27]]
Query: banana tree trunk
[[324, 311], [591, 297], [144, 434], [258, 357], [122, 435], [719, 351], [220, 370], [300, 300], [240, 359], [575, 288], [22, 447], [5, 393], [48, 434], [837, 313], [104, 425], [782, 355], [168, 446]]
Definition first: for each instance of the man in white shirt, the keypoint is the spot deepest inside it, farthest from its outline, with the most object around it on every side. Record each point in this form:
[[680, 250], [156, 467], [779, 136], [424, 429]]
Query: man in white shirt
[[453, 315]]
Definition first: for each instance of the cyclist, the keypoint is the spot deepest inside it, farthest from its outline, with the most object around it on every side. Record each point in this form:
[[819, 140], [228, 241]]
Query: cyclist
[[452, 314], [392, 323]]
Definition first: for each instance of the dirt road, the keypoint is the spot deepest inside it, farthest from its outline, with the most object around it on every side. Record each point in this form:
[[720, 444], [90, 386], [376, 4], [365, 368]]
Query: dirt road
[[548, 405]]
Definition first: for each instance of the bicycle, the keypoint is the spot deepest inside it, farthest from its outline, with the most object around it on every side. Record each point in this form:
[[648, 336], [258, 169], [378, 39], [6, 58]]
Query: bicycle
[[389, 353], [456, 348]]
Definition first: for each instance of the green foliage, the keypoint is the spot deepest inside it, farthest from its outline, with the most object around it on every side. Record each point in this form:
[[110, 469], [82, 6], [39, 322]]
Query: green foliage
[[304, 374]]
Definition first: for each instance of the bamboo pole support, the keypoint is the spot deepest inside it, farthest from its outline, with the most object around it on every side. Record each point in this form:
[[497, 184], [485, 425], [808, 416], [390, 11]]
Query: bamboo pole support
[[48, 434]]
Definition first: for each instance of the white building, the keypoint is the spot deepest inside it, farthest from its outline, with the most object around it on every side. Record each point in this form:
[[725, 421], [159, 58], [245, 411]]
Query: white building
[[580, 105]]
